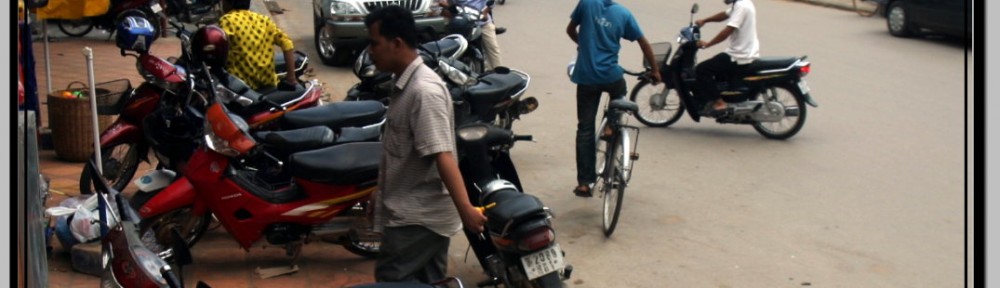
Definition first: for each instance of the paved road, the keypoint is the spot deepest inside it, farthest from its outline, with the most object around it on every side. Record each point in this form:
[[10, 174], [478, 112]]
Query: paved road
[[869, 194]]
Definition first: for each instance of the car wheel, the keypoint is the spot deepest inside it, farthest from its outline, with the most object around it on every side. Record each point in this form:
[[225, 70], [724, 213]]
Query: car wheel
[[329, 53], [897, 20]]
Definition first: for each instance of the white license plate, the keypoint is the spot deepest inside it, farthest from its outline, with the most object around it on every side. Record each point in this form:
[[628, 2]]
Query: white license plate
[[155, 7], [543, 262], [803, 87]]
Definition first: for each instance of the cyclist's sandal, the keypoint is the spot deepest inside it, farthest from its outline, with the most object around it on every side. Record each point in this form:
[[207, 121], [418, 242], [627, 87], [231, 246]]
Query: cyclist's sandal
[[583, 192]]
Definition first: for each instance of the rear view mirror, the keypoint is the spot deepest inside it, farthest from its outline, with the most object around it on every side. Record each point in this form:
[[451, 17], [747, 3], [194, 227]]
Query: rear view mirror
[[694, 8]]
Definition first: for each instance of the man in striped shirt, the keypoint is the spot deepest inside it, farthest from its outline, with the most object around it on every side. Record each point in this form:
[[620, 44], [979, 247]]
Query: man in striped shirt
[[419, 181]]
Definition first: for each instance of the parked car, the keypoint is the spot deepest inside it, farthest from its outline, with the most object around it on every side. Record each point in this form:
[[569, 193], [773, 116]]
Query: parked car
[[911, 17], [340, 27]]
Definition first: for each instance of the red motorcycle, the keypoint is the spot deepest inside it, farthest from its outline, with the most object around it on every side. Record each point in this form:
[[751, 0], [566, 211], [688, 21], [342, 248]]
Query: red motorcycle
[[326, 196], [158, 105]]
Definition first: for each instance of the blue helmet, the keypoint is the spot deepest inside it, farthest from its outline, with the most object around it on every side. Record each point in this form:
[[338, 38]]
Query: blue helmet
[[135, 33]]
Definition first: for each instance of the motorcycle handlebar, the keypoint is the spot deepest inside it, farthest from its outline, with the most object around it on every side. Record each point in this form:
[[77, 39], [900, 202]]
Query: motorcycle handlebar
[[523, 138]]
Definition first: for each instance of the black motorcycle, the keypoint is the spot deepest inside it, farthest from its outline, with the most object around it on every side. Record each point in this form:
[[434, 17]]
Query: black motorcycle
[[519, 247], [769, 93]]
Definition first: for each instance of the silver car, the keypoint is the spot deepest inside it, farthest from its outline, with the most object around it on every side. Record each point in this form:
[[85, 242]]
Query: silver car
[[340, 28]]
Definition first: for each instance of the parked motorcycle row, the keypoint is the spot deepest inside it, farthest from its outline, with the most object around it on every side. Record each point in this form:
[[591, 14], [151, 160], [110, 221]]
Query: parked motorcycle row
[[279, 166]]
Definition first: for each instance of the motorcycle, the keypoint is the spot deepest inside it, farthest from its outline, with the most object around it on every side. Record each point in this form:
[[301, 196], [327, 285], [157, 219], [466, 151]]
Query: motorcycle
[[465, 21], [519, 248], [327, 194], [494, 97], [144, 113], [752, 93]]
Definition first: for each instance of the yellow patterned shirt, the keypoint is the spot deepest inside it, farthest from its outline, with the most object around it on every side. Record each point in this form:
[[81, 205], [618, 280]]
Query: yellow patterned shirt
[[251, 52]]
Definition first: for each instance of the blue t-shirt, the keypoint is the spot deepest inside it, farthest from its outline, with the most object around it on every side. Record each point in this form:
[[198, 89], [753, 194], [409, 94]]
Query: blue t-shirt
[[602, 24]]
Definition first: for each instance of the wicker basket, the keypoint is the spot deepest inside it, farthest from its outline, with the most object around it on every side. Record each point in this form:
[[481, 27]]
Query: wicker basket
[[71, 122]]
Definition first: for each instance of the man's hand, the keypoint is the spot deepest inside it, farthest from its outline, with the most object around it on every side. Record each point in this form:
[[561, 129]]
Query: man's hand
[[655, 76], [702, 44], [472, 219], [699, 22]]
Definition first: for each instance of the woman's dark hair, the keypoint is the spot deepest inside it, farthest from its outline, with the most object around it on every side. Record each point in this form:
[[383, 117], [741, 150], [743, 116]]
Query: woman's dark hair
[[397, 22]]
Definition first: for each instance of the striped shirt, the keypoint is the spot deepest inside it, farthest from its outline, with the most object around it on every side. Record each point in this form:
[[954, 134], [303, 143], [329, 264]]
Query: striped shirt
[[252, 38], [420, 125]]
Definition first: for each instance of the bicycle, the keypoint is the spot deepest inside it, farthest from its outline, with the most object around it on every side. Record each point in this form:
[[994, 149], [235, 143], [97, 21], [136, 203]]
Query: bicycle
[[867, 8], [614, 169]]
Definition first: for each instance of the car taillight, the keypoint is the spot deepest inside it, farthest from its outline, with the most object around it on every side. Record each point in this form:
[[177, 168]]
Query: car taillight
[[804, 70], [536, 239]]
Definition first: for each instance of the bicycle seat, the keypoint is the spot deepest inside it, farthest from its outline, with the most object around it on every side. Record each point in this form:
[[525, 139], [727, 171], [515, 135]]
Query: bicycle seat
[[623, 104]]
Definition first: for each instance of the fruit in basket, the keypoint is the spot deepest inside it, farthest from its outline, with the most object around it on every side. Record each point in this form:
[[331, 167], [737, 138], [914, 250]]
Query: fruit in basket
[[67, 94]]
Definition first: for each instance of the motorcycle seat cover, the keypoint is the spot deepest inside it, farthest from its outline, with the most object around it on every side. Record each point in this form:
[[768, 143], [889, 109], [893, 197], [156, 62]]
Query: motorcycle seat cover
[[345, 164], [623, 104], [770, 63], [495, 87], [296, 140], [511, 206], [336, 115], [240, 87], [358, 134]]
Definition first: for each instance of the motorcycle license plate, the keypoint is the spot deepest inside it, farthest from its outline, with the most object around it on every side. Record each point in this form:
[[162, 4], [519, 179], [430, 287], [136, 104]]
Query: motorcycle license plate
[[803, 87], [543, 262]]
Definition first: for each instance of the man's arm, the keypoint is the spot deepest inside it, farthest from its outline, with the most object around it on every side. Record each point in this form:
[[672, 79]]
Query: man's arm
[[721, 16], [472, 219], [718, 38], [571, 31], [647, 52]]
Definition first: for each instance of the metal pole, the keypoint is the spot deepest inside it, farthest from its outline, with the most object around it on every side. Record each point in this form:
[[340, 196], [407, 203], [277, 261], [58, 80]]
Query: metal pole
[[48, 67], [87, 52]]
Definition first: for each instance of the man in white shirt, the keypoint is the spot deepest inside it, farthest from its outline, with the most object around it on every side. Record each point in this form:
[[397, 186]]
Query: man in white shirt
[[741, 30]]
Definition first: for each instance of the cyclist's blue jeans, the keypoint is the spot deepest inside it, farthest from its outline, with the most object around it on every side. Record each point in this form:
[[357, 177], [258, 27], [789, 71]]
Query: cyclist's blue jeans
[[588, 100]]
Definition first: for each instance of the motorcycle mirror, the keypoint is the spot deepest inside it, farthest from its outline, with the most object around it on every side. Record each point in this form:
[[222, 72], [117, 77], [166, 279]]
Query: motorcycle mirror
[[694, 8]]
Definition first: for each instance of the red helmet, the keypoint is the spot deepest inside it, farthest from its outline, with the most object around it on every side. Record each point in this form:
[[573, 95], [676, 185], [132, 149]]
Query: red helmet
[[210, 45]]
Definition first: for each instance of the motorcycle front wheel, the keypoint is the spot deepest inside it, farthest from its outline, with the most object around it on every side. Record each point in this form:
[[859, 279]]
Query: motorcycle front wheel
[[156, 231], [119, 163], [792, 100], [659, 106]]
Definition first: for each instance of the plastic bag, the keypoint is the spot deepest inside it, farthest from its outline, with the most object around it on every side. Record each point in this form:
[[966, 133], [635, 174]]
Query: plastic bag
[[81, 217]]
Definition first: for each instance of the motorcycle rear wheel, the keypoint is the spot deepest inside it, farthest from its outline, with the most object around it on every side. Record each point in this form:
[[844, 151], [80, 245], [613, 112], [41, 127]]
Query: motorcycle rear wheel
[[76, 28], [655, 111], [789, 125], [120, 162]]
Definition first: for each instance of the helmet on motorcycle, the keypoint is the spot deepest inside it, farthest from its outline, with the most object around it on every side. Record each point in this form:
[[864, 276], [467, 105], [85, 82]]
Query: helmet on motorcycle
[[135, 33], [210, 45]]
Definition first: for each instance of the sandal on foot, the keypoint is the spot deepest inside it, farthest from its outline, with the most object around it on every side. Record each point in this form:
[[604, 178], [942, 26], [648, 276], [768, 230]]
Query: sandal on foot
[[583, 192]]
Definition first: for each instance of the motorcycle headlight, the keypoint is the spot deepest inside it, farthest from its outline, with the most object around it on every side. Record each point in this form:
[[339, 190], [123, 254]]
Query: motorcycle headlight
[[226, 133], [343, 8], [472, 133]]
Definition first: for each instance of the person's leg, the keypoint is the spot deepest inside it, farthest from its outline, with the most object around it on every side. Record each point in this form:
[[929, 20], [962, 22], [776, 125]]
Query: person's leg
[[616, 90], [411, 254], [490, 47], [707, 72], [588, 98]]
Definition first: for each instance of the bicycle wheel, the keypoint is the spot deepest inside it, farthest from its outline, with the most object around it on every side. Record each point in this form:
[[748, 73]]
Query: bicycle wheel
[[614, 190], [865, 8], [75, 28]]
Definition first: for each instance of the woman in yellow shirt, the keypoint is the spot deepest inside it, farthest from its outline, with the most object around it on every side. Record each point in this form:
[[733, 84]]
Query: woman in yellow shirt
[[251, 55]]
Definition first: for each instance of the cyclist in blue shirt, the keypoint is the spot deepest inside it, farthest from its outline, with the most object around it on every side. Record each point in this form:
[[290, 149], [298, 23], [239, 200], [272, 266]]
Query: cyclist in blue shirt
[[602, 24]]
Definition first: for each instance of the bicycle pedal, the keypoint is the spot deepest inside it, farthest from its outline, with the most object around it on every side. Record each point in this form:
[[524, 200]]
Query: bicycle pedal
[[634, 156]]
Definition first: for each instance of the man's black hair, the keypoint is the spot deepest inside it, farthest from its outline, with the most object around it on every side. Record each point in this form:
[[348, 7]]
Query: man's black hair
[[238, 4], [397, 22]]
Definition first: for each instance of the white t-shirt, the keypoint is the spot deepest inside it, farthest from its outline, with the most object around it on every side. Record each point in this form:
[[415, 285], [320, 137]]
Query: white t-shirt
[[743, 44]]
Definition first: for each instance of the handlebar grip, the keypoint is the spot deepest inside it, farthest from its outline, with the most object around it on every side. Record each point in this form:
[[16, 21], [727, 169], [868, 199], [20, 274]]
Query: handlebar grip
[[523, 138]]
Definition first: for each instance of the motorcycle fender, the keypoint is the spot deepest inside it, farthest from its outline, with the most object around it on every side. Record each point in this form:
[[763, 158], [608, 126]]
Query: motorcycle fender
[[179, 194], [121, 131], [809, 100]]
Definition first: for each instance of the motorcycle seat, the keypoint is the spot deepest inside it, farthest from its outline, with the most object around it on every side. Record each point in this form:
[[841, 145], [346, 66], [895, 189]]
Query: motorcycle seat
[[259, 98], [445, 47], [345, 164], [623, 104], [495, 87], [770, 63], [280, 64], [511, 207], [336, 115], [296, 140], [359, 134]]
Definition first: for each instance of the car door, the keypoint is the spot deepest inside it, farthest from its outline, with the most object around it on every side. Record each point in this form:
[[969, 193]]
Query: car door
[[922, 13]]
